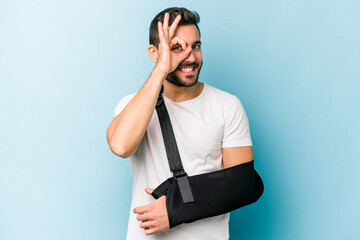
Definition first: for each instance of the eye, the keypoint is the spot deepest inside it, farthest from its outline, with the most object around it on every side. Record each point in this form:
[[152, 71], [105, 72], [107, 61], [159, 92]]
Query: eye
[[196, 47], [177, 49]]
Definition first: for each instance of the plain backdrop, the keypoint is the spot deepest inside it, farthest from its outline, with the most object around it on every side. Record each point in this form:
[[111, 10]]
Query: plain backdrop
[[64, 65]]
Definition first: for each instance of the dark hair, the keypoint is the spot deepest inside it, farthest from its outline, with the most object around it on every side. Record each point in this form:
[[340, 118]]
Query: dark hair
[[187, 18]]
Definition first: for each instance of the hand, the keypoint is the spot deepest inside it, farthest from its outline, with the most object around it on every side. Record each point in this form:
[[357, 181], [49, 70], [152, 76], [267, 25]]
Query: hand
[[168, 61], [153, 217]]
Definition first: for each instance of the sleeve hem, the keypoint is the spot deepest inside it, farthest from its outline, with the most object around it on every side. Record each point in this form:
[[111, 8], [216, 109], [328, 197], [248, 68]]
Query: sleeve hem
[[237, 143]]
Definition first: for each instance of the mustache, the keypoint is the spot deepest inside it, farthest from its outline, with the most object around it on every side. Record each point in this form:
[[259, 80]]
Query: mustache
[[183, 65]]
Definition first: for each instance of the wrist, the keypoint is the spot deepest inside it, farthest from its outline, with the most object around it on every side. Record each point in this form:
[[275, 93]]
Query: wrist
[[160, 72]]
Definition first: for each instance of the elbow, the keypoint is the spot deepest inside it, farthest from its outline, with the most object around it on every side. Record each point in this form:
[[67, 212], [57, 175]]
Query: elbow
[[119, 145], [120, 149], [122, 154]]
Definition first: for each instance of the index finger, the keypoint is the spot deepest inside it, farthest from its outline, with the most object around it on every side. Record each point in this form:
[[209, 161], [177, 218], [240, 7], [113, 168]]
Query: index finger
[[173, 26], [141, 210]]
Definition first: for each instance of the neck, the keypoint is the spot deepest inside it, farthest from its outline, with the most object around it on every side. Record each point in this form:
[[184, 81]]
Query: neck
[[180, 94]]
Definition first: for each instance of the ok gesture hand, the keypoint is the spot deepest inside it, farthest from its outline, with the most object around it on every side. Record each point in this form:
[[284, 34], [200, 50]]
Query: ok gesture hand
[[167, 60]]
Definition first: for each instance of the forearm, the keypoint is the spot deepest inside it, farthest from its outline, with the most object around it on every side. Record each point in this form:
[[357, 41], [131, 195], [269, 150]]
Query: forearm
[[128, 128]]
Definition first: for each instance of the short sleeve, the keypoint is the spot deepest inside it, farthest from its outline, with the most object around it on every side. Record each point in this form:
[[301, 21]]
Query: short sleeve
[[236, 128], [122, 104]]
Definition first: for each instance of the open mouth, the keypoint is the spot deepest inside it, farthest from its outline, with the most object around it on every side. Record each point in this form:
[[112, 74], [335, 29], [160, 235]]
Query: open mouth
[[187, 69]]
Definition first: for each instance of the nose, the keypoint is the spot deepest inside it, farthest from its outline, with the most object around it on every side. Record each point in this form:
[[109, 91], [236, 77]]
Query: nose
[[191, 57]]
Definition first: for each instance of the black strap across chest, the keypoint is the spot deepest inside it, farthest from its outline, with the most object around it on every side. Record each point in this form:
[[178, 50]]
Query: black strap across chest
[[172, 151]]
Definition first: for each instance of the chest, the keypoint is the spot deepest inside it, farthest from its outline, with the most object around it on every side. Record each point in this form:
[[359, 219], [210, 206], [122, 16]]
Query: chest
[[198, 134]]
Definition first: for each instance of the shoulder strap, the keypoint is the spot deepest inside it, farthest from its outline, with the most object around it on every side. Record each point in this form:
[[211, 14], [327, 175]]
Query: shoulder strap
[[172, 151]]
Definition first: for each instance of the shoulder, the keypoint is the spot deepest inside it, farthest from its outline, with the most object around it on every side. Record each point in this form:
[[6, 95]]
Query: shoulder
[[218, 93], [220, 97], [224, 102]]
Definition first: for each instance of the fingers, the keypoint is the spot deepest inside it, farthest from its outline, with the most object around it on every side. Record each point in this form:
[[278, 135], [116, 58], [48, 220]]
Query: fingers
[[148, 224], [143, 209], [144, 217], [178, 41], [149, 190], [153, 217], [165, 31], [166, 25], [185, 50], [186, 53], [150, 227], [173, 26], [150, 231], [161, 32]]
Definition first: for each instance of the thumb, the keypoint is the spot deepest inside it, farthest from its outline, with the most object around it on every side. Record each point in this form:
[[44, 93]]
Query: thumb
[[149, 190]]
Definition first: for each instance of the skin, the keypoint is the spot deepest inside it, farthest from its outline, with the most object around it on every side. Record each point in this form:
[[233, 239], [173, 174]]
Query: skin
[[179, 46]]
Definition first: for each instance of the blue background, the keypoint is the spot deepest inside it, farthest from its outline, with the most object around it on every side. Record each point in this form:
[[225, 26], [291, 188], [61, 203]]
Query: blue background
[[64, 65]]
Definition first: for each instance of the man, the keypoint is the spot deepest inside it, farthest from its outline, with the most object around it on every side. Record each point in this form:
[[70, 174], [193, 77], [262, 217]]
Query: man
[[210, 126]]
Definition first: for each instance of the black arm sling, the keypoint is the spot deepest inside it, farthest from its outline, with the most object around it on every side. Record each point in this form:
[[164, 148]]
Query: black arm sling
[[189, 199]]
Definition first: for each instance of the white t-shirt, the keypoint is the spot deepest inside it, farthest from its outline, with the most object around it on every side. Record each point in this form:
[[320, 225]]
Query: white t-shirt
[[202, 127]]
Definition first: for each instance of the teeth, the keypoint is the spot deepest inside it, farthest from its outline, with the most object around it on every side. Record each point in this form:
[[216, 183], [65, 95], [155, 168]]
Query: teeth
[[186, 69]]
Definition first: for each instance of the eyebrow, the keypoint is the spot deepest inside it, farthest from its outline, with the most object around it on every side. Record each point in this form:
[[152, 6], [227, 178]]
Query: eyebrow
[[196, 42]]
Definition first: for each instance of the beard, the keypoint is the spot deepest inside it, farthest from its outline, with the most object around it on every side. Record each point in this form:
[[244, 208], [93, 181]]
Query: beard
[[176, 80]]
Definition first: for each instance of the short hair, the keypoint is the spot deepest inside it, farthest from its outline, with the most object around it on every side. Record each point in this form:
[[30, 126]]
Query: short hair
[[187, 18]]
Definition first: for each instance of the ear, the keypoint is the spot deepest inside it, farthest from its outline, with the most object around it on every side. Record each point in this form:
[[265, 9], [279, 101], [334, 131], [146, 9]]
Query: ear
[[153, 53]]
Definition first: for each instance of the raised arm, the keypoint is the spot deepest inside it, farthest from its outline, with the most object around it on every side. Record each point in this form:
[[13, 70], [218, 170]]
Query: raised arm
[[128, 128]]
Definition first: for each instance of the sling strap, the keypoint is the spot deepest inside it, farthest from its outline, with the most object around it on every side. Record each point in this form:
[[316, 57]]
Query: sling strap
[[172, 151]]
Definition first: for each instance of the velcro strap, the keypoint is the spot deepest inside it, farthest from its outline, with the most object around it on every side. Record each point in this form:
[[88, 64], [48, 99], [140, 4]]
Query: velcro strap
[[185, 189]]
